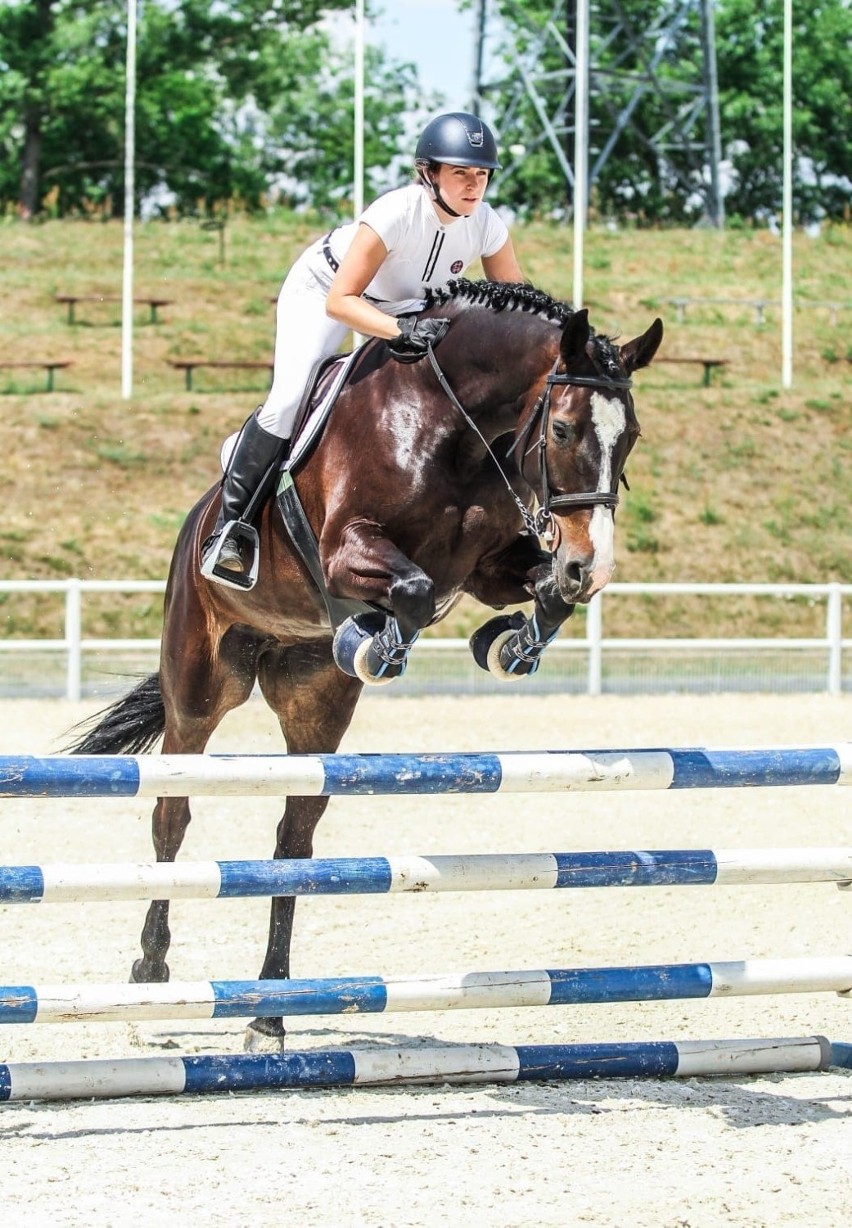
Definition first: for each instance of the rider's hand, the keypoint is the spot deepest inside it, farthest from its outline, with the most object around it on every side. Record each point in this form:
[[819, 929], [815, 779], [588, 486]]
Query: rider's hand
[[415, 337]]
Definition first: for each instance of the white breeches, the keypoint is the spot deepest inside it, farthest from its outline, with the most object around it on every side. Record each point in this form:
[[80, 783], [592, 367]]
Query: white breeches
[[304, 334]]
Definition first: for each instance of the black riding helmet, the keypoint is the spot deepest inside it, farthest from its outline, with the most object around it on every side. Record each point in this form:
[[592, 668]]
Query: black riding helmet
[[459, 139]]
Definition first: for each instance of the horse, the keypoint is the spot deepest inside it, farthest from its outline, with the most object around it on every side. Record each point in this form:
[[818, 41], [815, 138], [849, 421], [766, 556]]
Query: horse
[[421, 488]]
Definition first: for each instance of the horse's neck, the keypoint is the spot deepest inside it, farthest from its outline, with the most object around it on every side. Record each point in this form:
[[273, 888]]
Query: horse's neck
[[494, 393]]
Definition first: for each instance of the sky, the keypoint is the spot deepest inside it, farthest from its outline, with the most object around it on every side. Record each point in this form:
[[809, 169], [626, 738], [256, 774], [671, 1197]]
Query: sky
[[436, 37]]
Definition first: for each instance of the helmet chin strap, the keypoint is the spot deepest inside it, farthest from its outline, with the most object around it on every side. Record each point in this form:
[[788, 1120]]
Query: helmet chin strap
[[436, 195]]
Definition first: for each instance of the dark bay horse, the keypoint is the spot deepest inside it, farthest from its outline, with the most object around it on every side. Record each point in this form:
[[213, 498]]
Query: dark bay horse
[[419, 489]]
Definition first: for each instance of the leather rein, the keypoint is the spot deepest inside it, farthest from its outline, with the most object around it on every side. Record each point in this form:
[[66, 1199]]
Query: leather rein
[[541, 524]]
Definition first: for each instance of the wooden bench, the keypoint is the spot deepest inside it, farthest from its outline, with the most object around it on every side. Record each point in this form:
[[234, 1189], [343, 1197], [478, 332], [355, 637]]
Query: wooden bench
[[49, 367], [759, 305], [707, 363], [73, 299], [188, 365]]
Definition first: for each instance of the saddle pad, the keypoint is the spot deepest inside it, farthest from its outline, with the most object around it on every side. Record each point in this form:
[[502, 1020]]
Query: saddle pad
[[332, 379]]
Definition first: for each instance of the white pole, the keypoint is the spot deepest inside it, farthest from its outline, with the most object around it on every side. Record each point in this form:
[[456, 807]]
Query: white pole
[[581, 162], [129, 192], [358, 193], [787, 220]]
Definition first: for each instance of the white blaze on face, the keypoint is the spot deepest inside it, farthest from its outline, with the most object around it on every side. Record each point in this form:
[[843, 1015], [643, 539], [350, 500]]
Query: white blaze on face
[[609, 420]]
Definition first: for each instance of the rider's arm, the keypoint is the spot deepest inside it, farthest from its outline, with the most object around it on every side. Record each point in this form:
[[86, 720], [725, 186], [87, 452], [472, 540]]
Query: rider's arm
[[503, 265], [357, 269]]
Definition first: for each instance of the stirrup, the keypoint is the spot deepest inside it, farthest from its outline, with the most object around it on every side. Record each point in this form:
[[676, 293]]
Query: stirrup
[[245, 535]]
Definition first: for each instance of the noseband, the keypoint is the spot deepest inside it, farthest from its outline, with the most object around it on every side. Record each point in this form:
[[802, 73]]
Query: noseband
[[542, 523]]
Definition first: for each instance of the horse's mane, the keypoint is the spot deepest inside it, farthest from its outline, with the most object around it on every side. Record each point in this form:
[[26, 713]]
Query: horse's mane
[[519, 296], [500, 296]]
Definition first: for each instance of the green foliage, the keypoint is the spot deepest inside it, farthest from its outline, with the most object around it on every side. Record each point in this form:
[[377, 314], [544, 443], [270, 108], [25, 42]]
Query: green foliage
[[229, 94], [237, 99], [644, 177], [750, 56]]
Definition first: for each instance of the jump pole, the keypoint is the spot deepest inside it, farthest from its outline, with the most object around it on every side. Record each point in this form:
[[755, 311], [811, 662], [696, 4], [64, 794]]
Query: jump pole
[[455, 1064], [353, 775], [68, 883], [23, 1004]]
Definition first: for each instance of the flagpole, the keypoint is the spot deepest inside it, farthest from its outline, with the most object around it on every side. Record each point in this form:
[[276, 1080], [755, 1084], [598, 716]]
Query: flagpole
[[129, 195], [358, 193], [787, 208], [581, 155]]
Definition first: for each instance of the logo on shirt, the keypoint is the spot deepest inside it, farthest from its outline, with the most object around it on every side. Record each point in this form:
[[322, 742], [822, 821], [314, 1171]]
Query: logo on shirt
[[457, 266]]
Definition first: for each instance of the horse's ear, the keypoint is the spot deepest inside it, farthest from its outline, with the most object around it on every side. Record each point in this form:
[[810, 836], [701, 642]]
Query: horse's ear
[[575, 337], [639, 352]]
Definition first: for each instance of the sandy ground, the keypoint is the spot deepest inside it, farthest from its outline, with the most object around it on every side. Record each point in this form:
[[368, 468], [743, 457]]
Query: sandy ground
[[748, 1151]]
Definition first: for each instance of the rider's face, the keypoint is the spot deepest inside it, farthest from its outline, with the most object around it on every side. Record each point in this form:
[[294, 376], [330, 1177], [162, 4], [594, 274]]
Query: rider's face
[[462, 187]]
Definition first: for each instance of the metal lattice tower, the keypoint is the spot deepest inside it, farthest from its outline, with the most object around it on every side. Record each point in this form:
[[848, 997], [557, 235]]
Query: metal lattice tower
[[686, 138]]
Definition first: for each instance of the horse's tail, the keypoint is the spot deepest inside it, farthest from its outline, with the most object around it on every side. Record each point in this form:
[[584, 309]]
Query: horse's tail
[[132, 725]]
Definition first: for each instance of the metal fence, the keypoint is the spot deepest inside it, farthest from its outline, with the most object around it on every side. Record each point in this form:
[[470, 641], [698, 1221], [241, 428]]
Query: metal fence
[[593, 663]]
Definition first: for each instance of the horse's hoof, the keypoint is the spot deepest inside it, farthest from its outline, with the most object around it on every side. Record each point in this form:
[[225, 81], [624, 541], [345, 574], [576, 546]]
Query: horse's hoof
[[142, 974], [486, 643], [260, 1038], [353, 650]]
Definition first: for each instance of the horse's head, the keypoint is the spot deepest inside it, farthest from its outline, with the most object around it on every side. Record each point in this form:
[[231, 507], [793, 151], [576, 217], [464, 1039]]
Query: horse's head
[[587, 427]]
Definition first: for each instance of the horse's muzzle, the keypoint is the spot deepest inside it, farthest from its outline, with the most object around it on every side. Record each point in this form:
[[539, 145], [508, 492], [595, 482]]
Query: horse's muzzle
[[583, 555], [579, 579]]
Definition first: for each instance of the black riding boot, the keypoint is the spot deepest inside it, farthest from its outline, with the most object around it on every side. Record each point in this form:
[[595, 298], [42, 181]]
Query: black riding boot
[[229, 555]]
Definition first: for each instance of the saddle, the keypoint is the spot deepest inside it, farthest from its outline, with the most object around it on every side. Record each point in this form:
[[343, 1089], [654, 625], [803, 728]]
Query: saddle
[[324, 386]]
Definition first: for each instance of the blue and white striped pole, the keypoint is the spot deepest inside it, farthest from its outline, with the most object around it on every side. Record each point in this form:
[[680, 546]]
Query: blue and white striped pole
[[67, 883], [332, 775], [457, 1064], [21, 1004]]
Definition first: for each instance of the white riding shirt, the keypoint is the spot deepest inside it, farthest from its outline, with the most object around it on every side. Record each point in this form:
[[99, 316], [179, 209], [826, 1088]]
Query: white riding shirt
[[423, 253]]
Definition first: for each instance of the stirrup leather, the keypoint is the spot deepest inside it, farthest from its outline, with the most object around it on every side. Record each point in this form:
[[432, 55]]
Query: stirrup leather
[[245, 535]]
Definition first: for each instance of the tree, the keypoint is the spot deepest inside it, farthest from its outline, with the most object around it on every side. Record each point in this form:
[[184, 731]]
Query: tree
[[203, 67], [750, 47], [654, 183]]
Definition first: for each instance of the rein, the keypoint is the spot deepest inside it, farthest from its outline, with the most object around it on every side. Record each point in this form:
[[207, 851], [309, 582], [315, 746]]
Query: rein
[[541, 523]]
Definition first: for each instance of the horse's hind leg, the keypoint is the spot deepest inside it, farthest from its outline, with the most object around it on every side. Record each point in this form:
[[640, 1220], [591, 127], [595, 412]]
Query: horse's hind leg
[[314, 702], [169, 823], [196, 696]]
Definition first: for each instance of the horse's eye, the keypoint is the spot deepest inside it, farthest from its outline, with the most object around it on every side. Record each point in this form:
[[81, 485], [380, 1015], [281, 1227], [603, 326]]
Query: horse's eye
[[563, 432]]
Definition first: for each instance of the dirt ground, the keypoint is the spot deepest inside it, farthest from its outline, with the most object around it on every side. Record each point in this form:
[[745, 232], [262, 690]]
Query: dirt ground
[[743, 1151]]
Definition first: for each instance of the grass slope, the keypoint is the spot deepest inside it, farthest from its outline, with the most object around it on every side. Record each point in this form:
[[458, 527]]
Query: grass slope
[[739, 481]]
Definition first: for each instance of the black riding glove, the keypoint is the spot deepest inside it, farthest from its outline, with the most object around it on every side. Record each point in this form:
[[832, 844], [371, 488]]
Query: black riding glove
[[415, 337]]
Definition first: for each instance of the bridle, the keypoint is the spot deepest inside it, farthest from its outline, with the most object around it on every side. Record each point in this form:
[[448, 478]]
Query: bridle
[[548, 501], [541, 524]]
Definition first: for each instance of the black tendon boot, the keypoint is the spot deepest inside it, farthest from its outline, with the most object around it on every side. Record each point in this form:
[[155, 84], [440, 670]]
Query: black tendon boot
[[230, 554]]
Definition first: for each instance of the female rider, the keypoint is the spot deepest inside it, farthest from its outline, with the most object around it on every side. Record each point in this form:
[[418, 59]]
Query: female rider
[[369, 276]]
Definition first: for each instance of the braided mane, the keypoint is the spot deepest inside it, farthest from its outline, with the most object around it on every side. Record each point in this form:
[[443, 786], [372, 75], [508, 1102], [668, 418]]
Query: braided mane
[[500, 296], [521, 296]]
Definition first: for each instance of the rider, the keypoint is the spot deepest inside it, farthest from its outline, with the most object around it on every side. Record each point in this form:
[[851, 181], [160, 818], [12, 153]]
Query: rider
[[369, 276]]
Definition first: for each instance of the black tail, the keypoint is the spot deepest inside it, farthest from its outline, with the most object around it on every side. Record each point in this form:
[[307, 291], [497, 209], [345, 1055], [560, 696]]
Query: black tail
[[131, 726]]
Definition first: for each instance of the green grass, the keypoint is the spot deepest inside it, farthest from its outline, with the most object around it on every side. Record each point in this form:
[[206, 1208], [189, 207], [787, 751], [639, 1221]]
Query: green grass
[[745, 480]]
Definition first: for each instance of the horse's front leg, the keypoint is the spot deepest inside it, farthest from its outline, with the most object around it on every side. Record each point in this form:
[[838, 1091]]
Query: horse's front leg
[[314, 703], [511, 645], [374, 647], [294, 839]]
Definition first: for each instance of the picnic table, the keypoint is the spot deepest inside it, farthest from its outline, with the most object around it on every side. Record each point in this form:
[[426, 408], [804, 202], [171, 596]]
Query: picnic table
[[709, 364], [48, 365], [71, 301], [758, 305], [188, 365]]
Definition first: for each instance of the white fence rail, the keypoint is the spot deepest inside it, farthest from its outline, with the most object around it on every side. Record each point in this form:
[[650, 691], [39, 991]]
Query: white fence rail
[[594, 644]]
